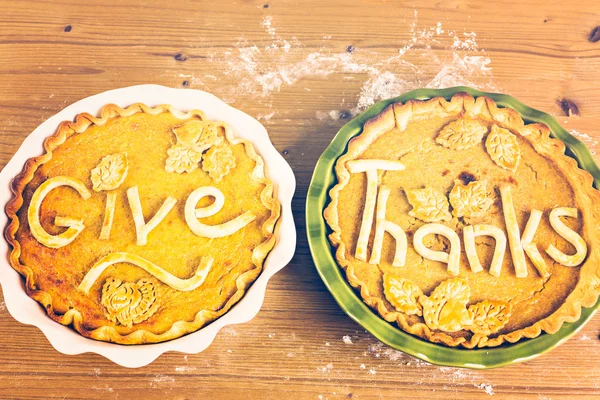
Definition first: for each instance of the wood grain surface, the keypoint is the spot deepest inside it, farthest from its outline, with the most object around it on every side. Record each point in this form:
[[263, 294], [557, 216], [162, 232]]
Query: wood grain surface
[[302, 67]]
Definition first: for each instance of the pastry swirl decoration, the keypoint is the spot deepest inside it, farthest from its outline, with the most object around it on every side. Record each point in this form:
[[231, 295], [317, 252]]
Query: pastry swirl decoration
[[184, 285]]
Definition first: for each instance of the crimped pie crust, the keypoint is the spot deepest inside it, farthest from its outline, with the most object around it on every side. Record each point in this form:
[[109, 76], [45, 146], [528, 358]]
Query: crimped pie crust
[[74, 317], [397, 116]]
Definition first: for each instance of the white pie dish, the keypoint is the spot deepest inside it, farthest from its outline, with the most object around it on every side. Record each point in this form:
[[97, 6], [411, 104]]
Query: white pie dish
[[66, 340]]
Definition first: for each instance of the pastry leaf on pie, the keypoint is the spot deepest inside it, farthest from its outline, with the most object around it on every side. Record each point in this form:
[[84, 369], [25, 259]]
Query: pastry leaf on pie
[[193, 138], [462, 134], [503, 148], [429, 205], [402, 294], [197, 135], [446, 308], [489, 316], [110, 173], [471, 200], [218, 161], [181, 159]]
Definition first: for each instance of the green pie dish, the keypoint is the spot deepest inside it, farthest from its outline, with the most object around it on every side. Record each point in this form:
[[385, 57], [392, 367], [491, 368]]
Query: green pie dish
[[323, 254]]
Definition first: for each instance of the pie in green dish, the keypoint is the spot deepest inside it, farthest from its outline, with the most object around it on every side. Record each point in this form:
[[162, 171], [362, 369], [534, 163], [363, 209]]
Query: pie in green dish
[[461, 223]]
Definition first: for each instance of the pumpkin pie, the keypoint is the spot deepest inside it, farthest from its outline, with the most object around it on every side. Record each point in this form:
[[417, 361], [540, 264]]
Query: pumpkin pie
[[464, 225], [141, 225]]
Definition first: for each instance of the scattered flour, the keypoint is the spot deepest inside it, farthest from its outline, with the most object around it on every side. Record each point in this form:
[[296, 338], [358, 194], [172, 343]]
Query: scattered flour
[[185, 368], [486, 388], [2, 306], [321, 115], [265, 117], [454, 377], [458, 376], [229, 331], [161, 378], [589, 141], [326, 369], [335, 114], [268, 27], [379, 349], [271, 335], [261, 71], [347, 339], [108, 389], [587, 338]]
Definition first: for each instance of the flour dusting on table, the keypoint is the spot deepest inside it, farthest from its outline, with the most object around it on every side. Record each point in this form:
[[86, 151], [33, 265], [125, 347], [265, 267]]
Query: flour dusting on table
[[381, 359], [185, 368], [589, 141], [229, 331], [160, 379], [326, 369], [432, 57]]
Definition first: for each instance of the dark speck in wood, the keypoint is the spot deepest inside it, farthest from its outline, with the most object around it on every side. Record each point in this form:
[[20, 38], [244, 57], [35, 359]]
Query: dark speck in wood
[[595, 35], [345, 114], [568, 107], [266, 6], [68, 28], [180, 57], [445, 172], [467, 177], [185, 83], [286, 152], [350, 49]]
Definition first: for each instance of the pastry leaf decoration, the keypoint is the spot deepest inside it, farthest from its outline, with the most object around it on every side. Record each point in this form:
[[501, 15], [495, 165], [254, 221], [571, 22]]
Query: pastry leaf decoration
[[503, 148], [402, 294], [181, 159], [445, 309], [462, 134], [128, 303], [193, 138], [489, 316], [471, 200], [429, 205], [218, 161], [110, 173], [197, 135]]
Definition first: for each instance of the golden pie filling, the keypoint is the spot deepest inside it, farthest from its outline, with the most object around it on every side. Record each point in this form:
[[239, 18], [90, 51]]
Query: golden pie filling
[[142, 225], [464, 225]]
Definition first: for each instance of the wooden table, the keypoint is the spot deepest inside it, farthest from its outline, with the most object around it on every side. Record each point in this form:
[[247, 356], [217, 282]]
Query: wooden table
[[301, 68]]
